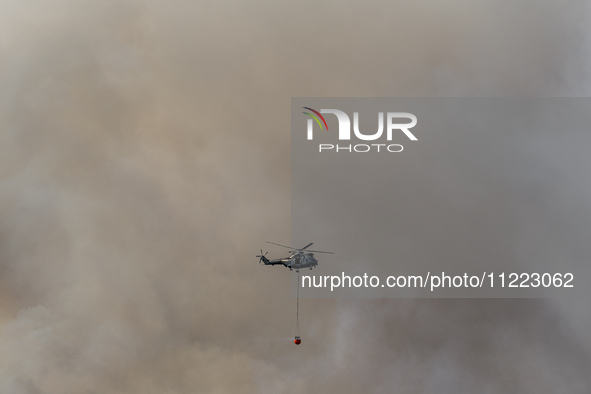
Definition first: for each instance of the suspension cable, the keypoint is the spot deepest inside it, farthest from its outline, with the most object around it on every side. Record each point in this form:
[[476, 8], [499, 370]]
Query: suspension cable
[[298, 307]]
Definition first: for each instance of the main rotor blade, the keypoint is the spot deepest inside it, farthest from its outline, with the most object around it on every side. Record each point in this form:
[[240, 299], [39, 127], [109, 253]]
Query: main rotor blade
[[318, 251], [307, 246], [296, 250], [288, 247]]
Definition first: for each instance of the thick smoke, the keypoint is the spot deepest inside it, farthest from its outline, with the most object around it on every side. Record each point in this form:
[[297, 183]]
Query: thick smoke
[[145, 158]]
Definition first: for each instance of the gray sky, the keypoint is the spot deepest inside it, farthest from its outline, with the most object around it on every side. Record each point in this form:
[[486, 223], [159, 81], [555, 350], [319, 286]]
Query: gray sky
[[144, 159]]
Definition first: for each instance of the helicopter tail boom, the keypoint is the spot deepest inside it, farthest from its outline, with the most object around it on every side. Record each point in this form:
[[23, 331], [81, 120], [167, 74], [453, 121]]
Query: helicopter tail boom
[[266, 261]]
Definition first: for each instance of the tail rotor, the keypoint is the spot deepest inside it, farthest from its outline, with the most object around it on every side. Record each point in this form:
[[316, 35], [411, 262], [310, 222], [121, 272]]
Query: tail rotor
[[261, 256]]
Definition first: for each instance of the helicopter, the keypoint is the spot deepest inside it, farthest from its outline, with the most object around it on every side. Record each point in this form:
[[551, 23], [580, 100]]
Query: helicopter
[[298, 257]]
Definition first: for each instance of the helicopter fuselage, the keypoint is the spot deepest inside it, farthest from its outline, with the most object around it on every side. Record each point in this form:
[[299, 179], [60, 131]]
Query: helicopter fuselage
[[295, 261], [298, 257], [302, 260]]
